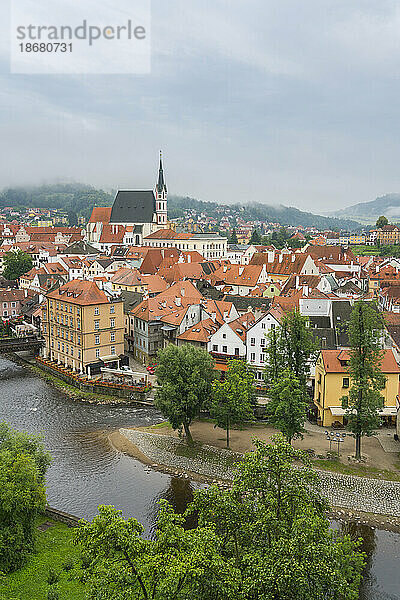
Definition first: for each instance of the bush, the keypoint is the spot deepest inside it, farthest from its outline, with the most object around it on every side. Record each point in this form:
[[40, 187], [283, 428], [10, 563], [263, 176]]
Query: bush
[[52, 577], [68, 564]]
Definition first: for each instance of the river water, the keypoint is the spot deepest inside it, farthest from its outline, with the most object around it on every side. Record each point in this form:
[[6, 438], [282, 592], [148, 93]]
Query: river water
[[86, 471]]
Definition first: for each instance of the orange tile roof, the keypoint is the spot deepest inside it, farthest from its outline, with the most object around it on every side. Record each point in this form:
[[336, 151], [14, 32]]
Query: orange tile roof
[[332, 364], [81, 293], [101, 214], [201, 332]]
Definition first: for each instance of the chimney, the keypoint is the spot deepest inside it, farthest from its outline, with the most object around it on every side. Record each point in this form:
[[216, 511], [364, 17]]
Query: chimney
[[271, 256], [178, 301], [182, 292], [293, 258], [280, 257], [225, 268], [241, 269]]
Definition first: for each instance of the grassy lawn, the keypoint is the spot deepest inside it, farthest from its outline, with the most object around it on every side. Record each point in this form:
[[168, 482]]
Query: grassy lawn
[[358, 470], [54, 547], [365, 250]]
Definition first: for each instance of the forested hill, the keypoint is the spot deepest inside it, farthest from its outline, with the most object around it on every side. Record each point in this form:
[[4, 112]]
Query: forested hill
[[80, 199], [75, 197], [177, 205], [388, 205]]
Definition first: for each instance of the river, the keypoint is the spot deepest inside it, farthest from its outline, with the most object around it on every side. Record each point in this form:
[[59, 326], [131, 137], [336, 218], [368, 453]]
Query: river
[[86, 471]]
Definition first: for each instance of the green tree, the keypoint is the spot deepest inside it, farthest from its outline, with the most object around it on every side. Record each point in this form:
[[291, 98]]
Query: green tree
[[291, 347], [275, 527], [381, 222], [233, 237], [23, 463], [184, 375], [233, 399], [119, 563], [287, 408], [19, 442], [364, 367], [72, 218], [16, 263], [255, 237]]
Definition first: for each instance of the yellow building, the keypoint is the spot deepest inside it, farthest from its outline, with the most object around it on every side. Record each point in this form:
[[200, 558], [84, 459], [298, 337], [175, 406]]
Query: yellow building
[[83, 326], [357, 238], [332, 381]]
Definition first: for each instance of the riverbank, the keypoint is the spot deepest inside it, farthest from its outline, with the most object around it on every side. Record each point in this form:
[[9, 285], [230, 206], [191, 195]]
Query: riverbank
[[69, 390], [366, 501]]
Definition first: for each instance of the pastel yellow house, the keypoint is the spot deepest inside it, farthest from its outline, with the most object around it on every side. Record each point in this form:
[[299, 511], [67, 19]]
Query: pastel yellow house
[[332, 381]]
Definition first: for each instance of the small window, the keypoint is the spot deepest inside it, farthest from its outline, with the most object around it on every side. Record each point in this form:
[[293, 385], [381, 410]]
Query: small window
[[346, 382], [252, 341], [112, 309], [96, 310], [97, 339], [97, 325], [215, 348], [225, 349], [97, 352], [252, 357], [112, 336], [113, 350], [112, 322]]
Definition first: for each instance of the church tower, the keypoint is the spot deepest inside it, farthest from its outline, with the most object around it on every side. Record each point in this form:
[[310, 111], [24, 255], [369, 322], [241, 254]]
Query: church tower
[[161, 197]]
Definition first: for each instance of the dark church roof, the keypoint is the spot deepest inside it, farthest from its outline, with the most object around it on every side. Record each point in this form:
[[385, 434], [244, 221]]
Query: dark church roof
[[133, 206]]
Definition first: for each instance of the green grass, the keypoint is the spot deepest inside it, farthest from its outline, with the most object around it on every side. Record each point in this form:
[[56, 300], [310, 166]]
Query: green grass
[[54, 546], [363, 250], [357, 470], [163, 425]]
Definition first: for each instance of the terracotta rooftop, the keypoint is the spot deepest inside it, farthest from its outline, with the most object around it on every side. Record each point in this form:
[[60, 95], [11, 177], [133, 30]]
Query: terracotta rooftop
[[332, 364], [81, 293]]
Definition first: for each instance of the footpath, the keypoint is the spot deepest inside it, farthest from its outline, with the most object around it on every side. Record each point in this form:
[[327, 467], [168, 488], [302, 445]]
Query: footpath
[[349, 492]]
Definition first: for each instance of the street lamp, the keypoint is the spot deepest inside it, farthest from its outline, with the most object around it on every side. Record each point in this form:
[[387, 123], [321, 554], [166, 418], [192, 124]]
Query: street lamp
[[337, 438]]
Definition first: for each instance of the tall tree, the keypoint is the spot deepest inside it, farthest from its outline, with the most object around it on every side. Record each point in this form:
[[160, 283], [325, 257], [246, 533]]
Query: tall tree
[[184, 375], [275, 528], [233, 399], [179, 564], [287, 408], [292, 347], [16, 263], [381, 222], [23, 463], [255, 237], [364, 366], [72, 218], [233, 238]]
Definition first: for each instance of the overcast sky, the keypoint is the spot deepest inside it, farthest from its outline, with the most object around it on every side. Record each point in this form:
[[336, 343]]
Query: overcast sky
[[277, 101]]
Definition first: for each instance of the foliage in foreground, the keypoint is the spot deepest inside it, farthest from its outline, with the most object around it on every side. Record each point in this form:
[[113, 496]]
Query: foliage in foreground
[[268, 538], [23, 463], [55, 554], [184, 375]]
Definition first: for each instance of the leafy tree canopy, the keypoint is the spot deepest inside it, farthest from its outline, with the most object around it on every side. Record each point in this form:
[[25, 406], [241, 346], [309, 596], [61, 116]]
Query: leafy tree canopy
[[233, 399], [184, 374], [364, 398], [287, 407], [16, 263], [23, 463], [381, 222], [233, 237]]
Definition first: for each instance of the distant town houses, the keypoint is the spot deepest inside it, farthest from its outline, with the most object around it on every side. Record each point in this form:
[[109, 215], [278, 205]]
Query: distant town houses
[[130, 281]]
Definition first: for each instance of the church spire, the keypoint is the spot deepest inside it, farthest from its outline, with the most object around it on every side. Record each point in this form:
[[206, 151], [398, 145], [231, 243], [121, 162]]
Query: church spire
[[161, 186]]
